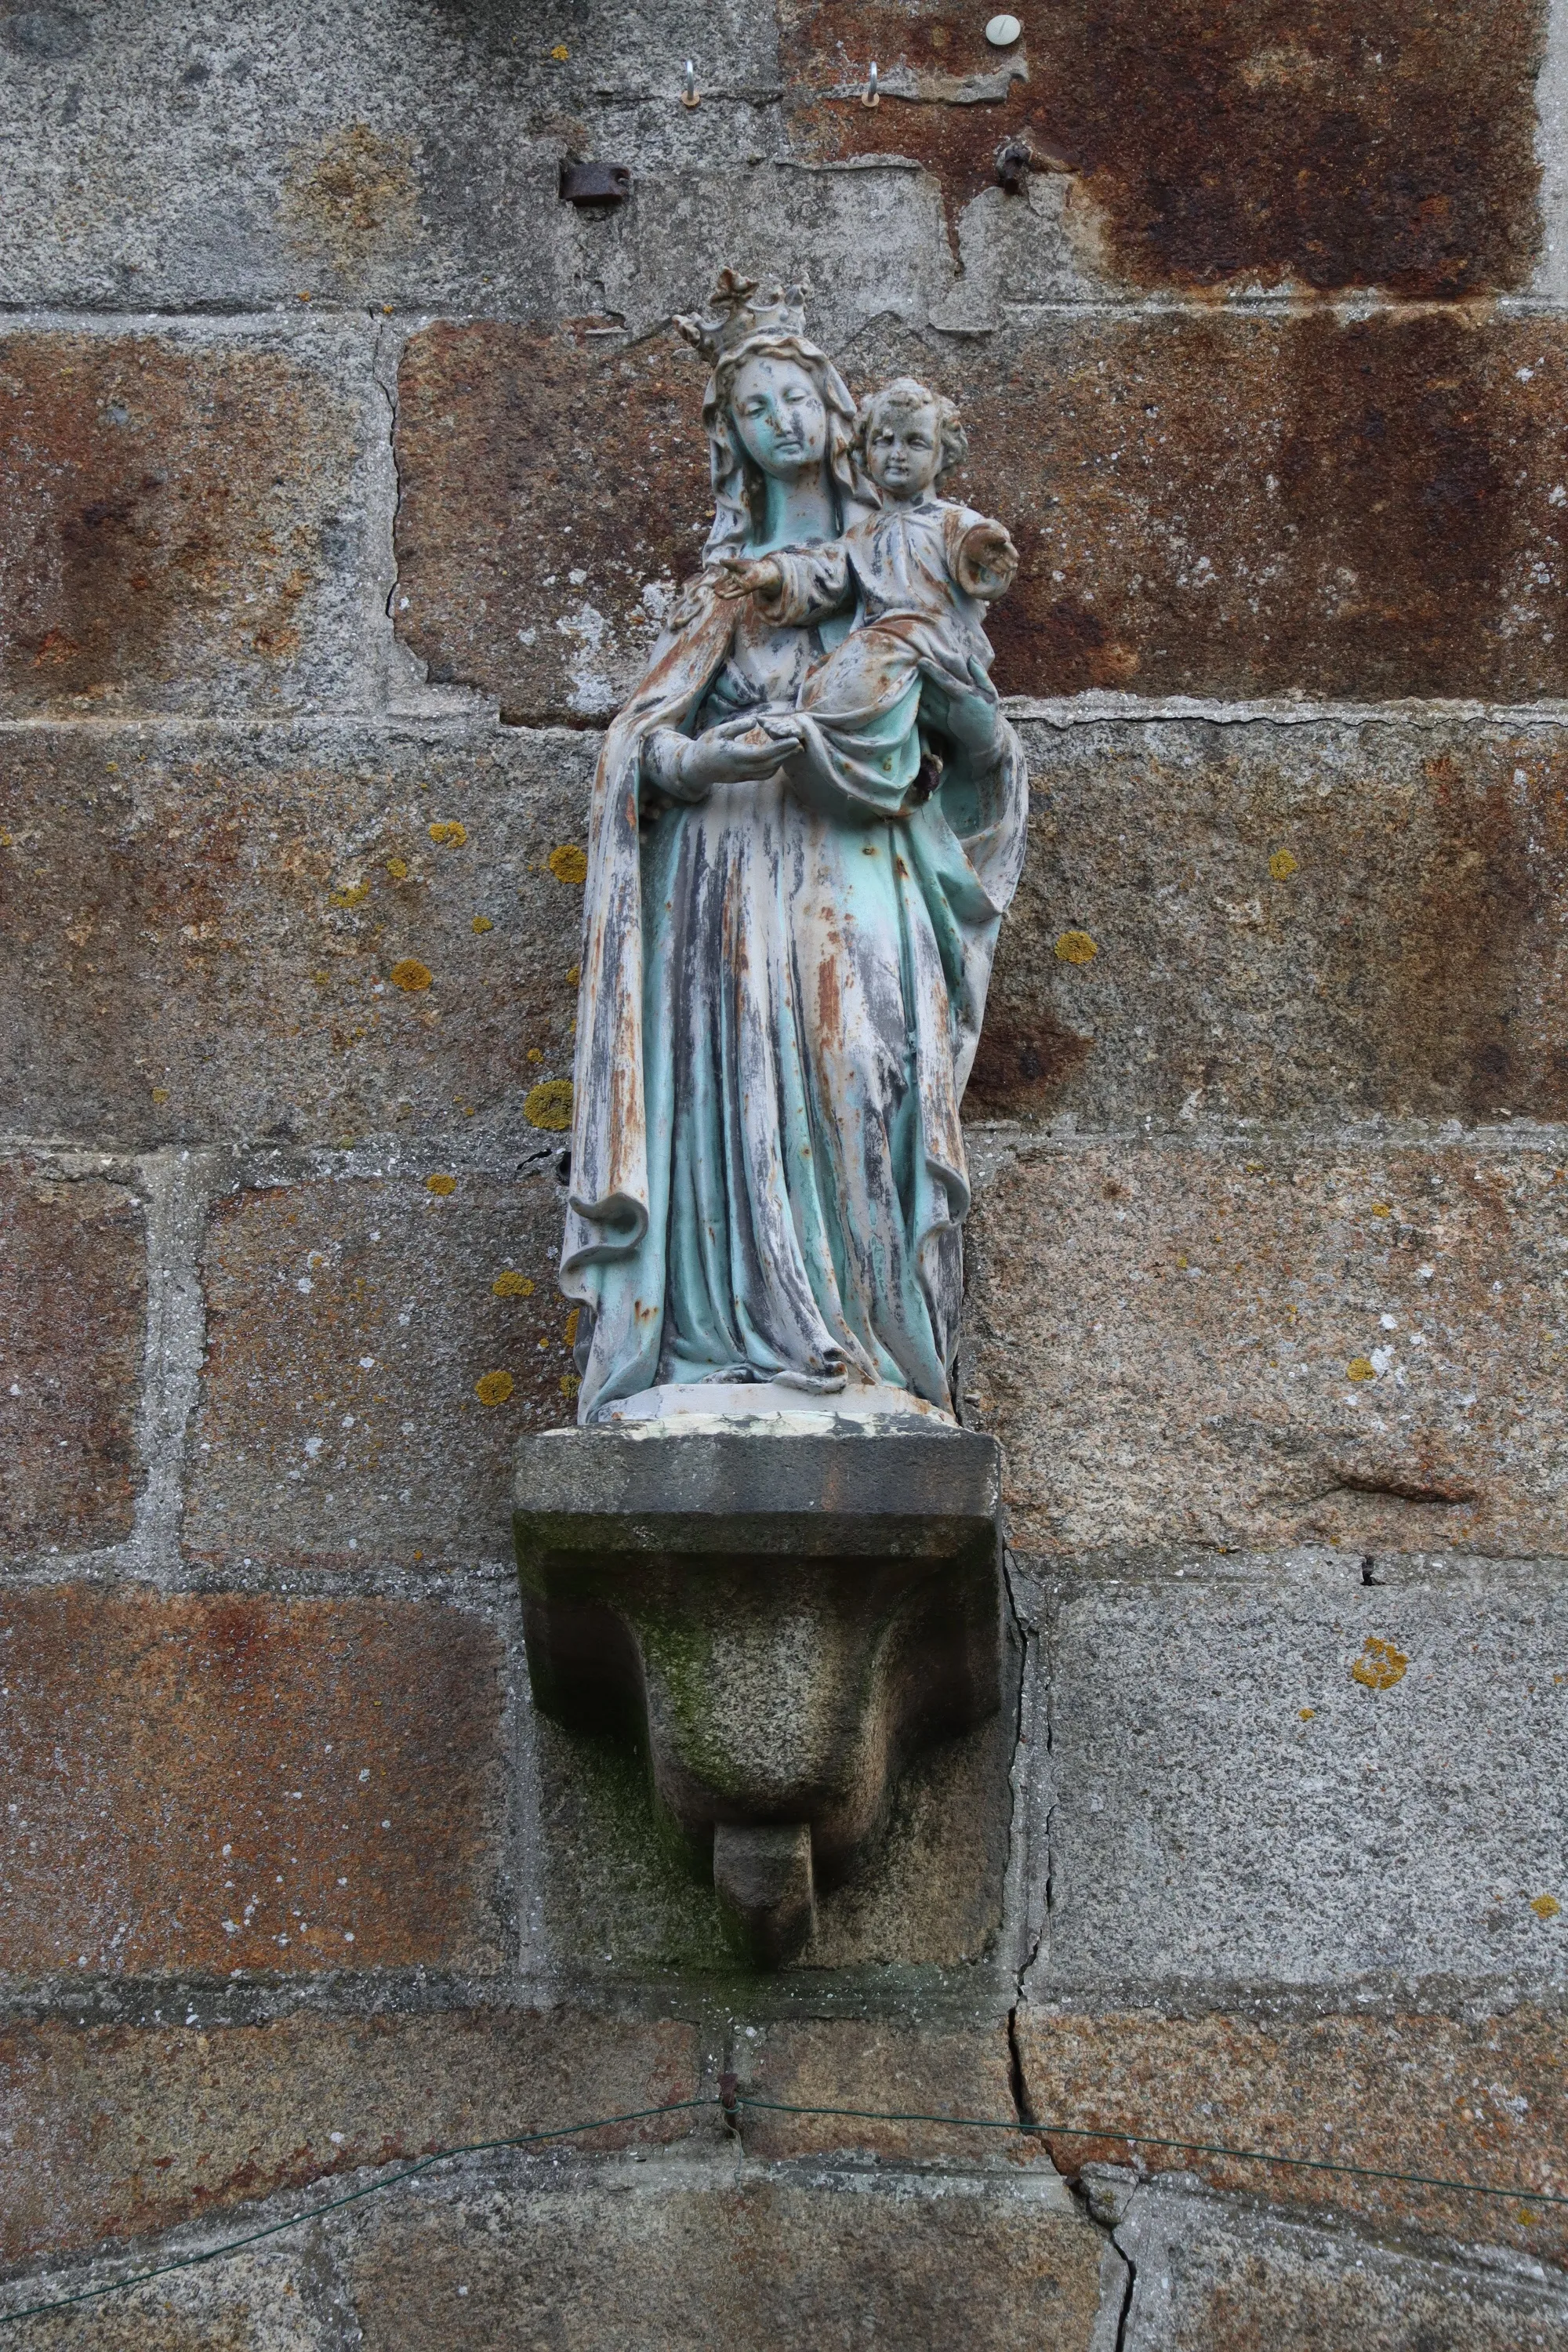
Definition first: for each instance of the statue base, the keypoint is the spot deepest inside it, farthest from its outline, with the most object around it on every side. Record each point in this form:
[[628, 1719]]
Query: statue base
[[779, 1608]]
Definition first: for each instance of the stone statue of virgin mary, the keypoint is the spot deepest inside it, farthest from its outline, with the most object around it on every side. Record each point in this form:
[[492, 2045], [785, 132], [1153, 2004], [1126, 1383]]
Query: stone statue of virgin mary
[[790, 920]]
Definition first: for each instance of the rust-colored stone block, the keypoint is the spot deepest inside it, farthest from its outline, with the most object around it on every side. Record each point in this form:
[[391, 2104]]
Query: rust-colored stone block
[[1313, 921], [896, 2073], [73, 1289], [218, 1784], [1453, 2099], [1213, 145], [376, 1348], [122, 2131], [1361, 508], [1274, 1344], [206, 941], [178, 519], [1203, 504], [516, 572]]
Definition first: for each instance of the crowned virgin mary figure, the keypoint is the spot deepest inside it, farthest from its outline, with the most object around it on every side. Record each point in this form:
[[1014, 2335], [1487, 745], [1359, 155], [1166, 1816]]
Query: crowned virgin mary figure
[[785, 966]]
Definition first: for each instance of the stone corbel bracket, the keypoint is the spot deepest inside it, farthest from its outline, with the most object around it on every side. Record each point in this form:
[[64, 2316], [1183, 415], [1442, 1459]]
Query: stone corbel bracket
[[780, 1620]]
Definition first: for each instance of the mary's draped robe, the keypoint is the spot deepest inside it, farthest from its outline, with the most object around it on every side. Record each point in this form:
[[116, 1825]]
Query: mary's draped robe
[[781, 993]]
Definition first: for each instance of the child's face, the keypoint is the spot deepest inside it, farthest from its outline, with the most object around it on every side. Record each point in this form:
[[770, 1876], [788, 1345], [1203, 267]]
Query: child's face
[[903, 450]]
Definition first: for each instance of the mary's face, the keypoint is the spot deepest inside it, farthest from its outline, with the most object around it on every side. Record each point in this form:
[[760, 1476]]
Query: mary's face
[[779, 415]]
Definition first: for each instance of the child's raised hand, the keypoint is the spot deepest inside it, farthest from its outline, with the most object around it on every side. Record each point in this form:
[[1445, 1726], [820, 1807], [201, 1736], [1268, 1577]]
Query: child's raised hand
[[749, 576]]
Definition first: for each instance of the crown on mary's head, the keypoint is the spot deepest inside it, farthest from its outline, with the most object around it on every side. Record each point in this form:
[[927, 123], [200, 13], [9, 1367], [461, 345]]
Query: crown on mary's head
[[739, 313]]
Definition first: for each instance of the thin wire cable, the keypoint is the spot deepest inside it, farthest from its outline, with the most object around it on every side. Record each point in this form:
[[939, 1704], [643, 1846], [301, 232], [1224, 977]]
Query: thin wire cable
[[781, 2107], [336, 2204], [1149, 2139]]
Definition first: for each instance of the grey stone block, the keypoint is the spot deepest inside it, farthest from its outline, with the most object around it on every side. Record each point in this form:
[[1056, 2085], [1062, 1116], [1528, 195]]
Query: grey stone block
[[1315, 921], [408, 156], [1285, 1778], [709, 2257], [201, 933], [1212, 2275]]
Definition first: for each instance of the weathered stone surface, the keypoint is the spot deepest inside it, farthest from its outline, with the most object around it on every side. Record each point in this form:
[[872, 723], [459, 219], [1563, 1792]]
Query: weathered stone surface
[[1306, 1781], [879, 2066], [405, 154], [183, 517], [1291, 922], [1210, 2277], [375, 1347], [198, 936], [119, 2132], [1363, 508], [505, 438], [1268, 1343], [212, 1784], [72, 1304], [1461, 2099], [666, 2253], [604, 1893], [1230, 145], [260, 2301]]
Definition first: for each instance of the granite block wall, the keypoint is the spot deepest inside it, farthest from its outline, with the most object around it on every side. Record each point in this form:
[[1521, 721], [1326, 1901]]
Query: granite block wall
[[345, 474]]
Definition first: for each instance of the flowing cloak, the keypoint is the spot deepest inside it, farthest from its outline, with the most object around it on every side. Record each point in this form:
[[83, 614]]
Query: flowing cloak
[[781, 997]]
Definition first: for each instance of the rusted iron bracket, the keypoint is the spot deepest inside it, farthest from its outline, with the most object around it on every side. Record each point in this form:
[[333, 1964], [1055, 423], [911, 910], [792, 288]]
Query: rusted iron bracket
[[595, 183]]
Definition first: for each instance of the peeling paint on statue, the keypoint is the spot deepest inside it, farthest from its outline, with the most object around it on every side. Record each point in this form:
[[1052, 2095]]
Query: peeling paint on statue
[[808, 823]]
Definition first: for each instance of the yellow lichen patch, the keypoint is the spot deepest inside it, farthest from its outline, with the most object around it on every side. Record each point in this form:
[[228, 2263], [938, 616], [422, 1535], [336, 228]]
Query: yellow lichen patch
[[573, 974], [440, 1185], [1360, 1368], [494, 1387], [1307, 1713], [450, 829], [561, 53], [321, 978], [411, 974], [570, 1384], [512, 1285], [1282, 866], [1380, 1664], [482, 923], [1076, 947], [572, 1326], [159, 1094], [1381, 1209], [398, 869], [549, 1105], [536, 1053], [1546, 1907], [352, 895], [568, 863]]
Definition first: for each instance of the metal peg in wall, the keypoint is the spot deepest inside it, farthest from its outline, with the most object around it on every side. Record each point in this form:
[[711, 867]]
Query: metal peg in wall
[[689, 96], [868, 95]]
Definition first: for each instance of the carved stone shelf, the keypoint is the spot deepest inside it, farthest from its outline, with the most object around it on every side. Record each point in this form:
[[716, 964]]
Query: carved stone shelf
[[779, 1617]]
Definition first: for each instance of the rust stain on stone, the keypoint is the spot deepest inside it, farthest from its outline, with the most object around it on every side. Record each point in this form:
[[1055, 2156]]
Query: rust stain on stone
[[162, 517], [1357, 508], [72, 1300], [506, 436], [1468, 2100], [240, 1782], [1213, 143]]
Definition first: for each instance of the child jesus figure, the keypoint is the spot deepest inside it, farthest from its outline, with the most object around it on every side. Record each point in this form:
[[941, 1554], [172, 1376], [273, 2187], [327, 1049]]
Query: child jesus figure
[[920, 573]]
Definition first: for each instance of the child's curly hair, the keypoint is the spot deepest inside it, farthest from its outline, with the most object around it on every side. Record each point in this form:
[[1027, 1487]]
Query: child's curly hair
[[905, 394]]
